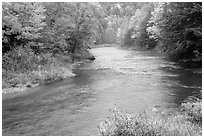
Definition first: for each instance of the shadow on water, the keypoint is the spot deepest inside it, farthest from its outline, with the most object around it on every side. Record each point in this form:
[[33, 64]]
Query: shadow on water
[[182, 82], [131, 80]]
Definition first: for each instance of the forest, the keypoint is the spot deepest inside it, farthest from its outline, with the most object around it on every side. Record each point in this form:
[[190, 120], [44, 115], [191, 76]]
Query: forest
[[42, 42], [38, 39]]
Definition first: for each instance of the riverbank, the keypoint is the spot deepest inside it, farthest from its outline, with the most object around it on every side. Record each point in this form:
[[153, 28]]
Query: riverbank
[[185, 122], [49, 69], [70, 107], [30, 79]]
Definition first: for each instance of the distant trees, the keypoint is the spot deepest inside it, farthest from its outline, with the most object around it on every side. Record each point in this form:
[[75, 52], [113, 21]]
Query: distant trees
[[136, 34], [35, 34], [67, 28], [107, 22], [172, 27]]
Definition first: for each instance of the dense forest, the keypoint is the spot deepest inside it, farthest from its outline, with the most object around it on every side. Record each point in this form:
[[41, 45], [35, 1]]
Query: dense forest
[[38, 37]]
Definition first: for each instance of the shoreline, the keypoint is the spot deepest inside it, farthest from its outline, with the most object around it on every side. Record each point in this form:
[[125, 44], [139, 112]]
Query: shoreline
[[21, 89]]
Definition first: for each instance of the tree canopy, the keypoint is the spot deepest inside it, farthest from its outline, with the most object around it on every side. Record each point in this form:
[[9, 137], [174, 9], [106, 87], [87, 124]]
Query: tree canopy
[[58, 27], [177, 27]]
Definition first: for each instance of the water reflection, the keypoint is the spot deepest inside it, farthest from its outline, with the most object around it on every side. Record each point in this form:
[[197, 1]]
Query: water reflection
[[182, 83], [131, 80]]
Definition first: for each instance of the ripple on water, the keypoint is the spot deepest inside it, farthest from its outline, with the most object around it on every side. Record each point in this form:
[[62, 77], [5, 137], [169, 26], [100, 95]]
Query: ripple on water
[[76, 107], [171, 67]]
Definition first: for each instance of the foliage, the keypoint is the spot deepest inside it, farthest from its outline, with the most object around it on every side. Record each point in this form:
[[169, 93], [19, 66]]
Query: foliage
[[20, 60], [135, 33], [35, 34], [68, 27], [52, 27], [188, 122], [177, 28], [192, 107], [21, 66], [33, 29], [21, 23]]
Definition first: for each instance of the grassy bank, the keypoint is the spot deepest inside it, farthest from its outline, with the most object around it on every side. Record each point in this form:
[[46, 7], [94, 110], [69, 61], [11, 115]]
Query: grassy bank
[[22, 68], [186, 122]]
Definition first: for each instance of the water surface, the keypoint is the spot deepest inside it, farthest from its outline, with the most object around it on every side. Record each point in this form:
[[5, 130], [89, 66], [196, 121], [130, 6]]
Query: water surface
[[130, 80]]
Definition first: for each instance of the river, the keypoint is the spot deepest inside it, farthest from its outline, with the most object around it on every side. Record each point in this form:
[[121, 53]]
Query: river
[[130, 80]]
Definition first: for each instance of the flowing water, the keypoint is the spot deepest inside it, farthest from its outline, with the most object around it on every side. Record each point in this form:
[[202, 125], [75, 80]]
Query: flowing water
[[129, 80]]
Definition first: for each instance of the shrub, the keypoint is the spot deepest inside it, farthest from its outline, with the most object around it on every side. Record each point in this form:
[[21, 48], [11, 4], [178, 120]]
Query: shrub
[[185, 123], [192, 108], [22, 66]]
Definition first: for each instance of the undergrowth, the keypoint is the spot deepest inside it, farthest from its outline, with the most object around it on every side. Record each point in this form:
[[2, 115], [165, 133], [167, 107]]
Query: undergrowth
[[22, 67], [187, 122]]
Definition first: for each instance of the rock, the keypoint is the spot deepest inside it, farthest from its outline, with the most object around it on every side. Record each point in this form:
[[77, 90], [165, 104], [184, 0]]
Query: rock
[[28, 85], [91, 58], [13, 84]]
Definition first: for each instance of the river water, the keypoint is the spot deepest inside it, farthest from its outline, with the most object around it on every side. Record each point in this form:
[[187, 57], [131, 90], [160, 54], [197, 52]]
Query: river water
[[129, 80]]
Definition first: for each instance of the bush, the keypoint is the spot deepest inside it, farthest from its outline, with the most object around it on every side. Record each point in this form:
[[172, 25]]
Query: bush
[[50, 73], [185, 123], [20, 59], [192, 108], [22, 66]]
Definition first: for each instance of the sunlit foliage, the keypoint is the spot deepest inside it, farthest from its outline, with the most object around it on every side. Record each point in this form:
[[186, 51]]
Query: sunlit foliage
[[187, 122], [71, 28]]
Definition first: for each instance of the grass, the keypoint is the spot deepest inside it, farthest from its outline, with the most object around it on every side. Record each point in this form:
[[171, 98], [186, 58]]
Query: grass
[[187, 122], [22, 67]]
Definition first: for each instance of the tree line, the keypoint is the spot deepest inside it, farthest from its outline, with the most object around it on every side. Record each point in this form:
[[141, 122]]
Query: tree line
[[35, 34], [172, 27], [175, 27]]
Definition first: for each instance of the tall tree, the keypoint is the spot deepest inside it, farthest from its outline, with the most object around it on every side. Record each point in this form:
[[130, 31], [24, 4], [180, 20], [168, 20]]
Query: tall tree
[[21, 23], [177, 28]]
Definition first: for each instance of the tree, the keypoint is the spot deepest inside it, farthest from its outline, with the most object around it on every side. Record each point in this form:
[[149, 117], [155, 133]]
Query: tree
[[133, 29], [21, 23], [70, 27], [177, 28]]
